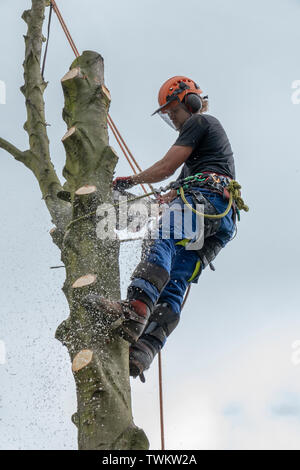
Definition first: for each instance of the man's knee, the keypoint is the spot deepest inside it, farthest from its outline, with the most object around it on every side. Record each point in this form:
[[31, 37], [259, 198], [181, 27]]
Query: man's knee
[[153, 273]]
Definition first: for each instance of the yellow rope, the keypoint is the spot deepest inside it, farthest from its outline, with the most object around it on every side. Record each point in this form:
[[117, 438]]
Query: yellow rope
[[234, 195], [210, 216], [234, 188]]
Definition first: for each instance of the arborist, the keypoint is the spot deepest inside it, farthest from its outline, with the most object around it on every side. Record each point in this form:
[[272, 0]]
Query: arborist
[[158, 284]]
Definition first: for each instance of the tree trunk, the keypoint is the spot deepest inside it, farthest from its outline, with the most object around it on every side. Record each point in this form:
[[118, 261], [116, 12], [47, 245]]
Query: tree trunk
[[99, 359]]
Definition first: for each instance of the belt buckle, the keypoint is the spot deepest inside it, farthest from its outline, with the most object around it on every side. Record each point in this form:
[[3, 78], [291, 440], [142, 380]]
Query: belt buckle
[[215, 178]]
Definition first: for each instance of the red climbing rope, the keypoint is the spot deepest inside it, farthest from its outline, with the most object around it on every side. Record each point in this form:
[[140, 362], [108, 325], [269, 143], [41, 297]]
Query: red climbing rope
[[115, 133], [64, 27], [161, 405]]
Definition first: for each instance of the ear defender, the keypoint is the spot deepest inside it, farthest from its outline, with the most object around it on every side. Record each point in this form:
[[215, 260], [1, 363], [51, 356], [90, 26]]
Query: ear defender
[[193, 102]]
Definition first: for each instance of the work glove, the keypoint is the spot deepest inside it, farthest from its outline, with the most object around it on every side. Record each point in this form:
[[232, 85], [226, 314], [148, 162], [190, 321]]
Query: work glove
[[122, 183]]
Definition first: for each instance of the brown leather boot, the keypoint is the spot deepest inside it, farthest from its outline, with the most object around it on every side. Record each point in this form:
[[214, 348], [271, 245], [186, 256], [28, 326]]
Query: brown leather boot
[[127, 317]]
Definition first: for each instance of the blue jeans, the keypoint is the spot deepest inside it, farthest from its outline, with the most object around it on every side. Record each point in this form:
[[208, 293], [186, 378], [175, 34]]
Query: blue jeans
[[184, 265]]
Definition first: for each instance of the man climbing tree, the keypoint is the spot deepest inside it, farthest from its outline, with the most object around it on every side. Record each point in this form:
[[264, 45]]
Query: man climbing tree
[[168, 265]]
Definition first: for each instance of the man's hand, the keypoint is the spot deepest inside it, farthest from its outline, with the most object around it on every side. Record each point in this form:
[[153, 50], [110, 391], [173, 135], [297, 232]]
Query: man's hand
[[122, 183], [168, 197]]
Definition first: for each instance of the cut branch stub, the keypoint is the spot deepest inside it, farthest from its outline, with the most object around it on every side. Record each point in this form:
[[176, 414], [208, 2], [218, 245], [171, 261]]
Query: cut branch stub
[[73, 73], [84, 281], [69, 132], [86, 189], [86, 101], [86, 200], [57, 236], [82, 359]]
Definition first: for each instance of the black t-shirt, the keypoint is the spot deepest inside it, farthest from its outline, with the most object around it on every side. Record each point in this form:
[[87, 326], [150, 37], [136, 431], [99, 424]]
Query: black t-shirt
[[211, 147]]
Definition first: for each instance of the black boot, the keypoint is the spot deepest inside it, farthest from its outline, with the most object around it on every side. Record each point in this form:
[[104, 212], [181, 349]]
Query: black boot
[[141, 355], [161, 324]]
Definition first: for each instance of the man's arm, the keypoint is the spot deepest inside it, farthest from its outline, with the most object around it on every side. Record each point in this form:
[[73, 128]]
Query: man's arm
[[165, 167]]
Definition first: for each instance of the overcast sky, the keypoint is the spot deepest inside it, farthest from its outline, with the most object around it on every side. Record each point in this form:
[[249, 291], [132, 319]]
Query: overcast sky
[[231, 368]]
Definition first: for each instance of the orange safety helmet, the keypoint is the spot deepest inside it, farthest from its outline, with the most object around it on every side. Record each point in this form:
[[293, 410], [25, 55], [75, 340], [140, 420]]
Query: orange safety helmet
[[175, 89]]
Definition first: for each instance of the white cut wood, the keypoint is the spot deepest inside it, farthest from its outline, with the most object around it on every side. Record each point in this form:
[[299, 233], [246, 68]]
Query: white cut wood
[[72, 74], [85, 280], [82, 359], [69, 133], [86, 189]]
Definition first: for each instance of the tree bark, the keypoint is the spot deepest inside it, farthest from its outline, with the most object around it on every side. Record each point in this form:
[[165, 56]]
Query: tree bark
[[99, 359]]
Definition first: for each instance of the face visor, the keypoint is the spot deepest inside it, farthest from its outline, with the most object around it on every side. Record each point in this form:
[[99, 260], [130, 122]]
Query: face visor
[[174, 114]]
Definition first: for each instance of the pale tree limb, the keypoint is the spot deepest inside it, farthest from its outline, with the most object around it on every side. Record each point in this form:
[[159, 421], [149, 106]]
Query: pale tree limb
[[35, 126], [15, 152]]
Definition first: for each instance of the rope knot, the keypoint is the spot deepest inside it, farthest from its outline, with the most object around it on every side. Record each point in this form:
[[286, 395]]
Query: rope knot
[[234, 189]]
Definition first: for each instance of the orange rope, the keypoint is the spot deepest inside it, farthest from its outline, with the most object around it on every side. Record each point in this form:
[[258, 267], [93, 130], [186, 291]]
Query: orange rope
[[161, 405], [186, 296], [122, 148], [132, 157], [64, 27], [112, 124]]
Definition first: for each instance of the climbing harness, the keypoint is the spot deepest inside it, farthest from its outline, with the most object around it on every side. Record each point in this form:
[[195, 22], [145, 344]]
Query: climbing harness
[[221, 184]]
